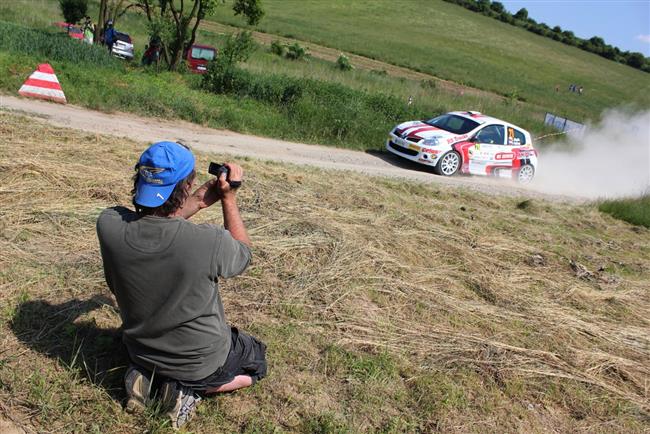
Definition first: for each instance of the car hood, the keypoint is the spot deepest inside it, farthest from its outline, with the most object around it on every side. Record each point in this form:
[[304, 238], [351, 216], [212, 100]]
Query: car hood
[[420, 130]]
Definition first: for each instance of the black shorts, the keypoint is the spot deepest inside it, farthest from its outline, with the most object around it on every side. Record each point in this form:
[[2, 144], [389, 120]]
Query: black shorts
[[247, 356]]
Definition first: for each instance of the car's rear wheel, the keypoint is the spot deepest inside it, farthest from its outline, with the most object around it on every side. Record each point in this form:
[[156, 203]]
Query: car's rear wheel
[[525, 174], [448, 164]]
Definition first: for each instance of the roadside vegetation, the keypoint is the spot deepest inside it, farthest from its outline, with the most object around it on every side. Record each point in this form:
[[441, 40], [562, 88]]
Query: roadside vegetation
[[28, 42], [633, 210], [387, 306], [268, 98]]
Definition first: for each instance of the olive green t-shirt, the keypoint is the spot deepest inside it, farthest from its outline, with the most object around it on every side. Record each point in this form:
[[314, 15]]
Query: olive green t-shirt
[[163, 272]]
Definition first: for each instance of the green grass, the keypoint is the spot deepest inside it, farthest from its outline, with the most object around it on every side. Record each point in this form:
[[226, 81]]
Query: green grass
[[450, 42], [368, 330], [635, 211]]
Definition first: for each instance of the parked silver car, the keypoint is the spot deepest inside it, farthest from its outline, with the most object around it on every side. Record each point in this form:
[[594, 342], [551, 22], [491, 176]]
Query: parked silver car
[[123, 46]]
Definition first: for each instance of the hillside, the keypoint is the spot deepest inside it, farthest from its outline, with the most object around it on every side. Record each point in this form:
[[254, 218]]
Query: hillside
[[453, 43], [387, 305]]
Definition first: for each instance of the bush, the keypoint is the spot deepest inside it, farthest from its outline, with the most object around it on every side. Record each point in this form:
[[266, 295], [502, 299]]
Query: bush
[[278, 48], [429, 84], [73, 10], [635, 60], [296, 52], [343, 63]]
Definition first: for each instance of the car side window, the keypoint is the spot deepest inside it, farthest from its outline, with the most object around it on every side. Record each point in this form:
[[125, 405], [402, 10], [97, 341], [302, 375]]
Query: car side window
[[455, 123], [516, 137], [493, 134]]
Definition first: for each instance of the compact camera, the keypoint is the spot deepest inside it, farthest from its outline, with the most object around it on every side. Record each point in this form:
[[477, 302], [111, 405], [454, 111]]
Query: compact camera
[[217, 170]]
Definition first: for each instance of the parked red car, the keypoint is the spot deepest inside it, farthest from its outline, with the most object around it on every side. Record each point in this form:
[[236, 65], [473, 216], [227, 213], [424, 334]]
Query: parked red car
[[74, 32], [198, 57]]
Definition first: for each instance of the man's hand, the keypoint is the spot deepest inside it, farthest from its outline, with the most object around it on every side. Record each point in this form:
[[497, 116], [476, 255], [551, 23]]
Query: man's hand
[[235, 174], [207, 194], [204, 196], [213, 191]]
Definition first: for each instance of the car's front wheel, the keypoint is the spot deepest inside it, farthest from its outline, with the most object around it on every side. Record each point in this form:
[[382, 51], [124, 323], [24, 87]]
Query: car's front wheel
[[525, 174], [448, 164]]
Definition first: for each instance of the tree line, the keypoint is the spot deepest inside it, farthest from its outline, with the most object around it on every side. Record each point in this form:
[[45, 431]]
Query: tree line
[[594, 45]]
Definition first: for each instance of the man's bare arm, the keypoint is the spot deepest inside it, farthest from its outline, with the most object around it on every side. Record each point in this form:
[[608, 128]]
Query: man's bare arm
[[231, 217]]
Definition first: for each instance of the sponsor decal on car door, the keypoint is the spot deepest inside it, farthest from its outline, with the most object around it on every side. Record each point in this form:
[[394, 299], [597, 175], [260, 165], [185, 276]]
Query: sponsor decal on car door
[[489, 151]]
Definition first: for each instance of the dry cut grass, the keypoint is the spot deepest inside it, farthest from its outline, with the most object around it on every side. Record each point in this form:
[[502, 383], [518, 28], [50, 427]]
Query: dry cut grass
[[387, 306]]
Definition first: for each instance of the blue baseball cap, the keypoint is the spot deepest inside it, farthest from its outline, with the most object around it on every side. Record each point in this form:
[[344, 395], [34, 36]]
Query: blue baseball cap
[[160, 168]]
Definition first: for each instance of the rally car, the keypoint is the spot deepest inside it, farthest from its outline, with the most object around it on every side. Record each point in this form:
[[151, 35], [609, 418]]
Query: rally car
[[469, 142]]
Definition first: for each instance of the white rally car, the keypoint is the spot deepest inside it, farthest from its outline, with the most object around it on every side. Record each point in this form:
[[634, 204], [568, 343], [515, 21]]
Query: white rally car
[[468, 142]]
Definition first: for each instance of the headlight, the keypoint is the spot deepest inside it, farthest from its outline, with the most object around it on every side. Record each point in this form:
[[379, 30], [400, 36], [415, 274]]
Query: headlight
[[431, 142]]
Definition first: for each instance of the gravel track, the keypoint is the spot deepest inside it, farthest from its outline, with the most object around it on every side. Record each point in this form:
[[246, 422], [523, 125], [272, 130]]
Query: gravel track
[[223, 141]]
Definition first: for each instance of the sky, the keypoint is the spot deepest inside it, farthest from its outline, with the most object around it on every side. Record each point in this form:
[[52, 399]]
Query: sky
[[622, 23]]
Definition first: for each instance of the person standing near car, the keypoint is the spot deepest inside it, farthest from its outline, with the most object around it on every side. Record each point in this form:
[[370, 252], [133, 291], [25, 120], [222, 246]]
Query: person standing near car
[[88, 31], [109, 35], [164, 270]]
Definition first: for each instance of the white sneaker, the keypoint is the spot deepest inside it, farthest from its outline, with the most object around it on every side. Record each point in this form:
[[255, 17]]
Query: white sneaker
[[179, 403]]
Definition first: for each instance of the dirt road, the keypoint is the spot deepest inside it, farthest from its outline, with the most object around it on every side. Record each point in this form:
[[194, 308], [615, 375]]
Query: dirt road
[[222, 141]]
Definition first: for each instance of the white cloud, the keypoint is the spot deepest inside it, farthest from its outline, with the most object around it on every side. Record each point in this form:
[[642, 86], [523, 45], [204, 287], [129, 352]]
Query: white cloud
[[644, 38]]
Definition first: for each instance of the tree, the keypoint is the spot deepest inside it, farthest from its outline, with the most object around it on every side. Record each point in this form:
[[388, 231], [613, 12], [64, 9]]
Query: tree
[[483, 6], [223, 72], [597, 41], [608, 52], [569, 38], [73, 10], [497, 7], [635, 60], [522, 14], [113, 10], [251, 9], [176, 23], [506, 17]]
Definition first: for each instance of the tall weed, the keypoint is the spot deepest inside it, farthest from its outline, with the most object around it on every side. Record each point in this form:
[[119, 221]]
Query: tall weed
[[53, 46], [635, 211]]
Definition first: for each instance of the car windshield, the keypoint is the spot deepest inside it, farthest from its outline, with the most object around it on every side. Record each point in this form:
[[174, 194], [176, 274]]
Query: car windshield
[[453, 123], [122, 37], [202, 53]]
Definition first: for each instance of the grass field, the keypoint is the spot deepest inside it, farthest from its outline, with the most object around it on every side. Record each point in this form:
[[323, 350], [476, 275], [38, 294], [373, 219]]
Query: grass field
[[451, 42], [387, 306]]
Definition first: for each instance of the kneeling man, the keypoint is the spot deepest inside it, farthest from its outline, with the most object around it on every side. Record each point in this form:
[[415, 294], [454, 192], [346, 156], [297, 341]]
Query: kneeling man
[[163, 271]]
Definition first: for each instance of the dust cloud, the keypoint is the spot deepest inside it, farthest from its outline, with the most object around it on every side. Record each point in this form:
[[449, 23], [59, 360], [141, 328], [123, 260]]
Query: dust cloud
[[610, 159]]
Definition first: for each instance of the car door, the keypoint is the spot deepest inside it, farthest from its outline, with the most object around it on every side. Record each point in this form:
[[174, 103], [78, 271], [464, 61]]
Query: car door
[[488, 151]]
